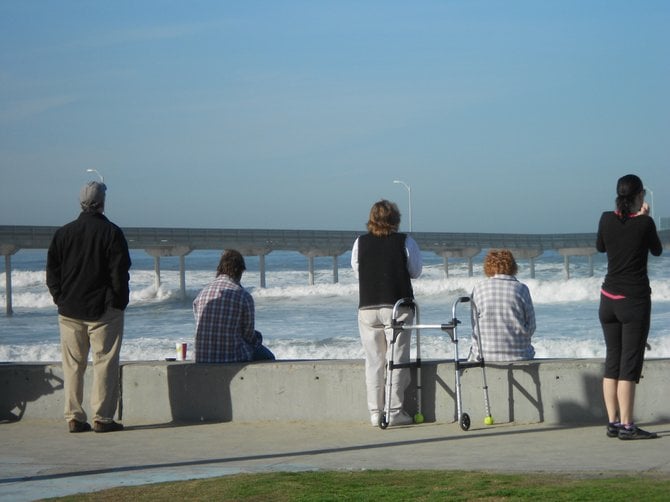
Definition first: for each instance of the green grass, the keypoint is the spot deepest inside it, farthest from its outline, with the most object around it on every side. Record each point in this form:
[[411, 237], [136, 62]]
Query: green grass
[[389, 485]]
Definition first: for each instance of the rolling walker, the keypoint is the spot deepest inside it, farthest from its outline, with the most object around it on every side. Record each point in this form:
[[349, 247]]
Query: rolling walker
[[398, 327], [451, 328]]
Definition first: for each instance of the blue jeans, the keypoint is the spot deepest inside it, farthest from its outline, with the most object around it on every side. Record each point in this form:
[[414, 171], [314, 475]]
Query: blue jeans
[[262, 353]]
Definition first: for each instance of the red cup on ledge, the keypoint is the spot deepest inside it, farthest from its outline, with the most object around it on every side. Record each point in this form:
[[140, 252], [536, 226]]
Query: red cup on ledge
[[181, 351]]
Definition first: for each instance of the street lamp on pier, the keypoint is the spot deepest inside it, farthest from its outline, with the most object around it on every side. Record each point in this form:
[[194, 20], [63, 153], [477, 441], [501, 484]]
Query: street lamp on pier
[[102, 180], [409, 194]]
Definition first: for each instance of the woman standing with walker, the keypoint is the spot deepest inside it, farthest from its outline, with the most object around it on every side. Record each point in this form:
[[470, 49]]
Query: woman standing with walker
[[627, 235], [384, 261]]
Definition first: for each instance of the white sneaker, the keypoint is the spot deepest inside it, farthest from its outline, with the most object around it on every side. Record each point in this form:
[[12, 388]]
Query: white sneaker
[[374, 419], [400, 418]]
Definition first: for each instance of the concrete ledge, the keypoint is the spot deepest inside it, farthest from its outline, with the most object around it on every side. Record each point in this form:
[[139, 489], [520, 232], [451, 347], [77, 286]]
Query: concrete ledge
[[552, 391]]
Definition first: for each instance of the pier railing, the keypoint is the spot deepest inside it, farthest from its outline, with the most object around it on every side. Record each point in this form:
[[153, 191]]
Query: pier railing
[[324, 242]]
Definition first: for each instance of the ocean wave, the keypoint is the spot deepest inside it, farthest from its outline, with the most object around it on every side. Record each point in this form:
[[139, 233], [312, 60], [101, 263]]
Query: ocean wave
[[432, 283], [36, 296]]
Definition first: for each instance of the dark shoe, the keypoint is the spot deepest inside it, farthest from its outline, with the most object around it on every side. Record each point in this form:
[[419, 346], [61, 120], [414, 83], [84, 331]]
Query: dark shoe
[[107, 426], [634, 432], [613, 429], [77, 426]]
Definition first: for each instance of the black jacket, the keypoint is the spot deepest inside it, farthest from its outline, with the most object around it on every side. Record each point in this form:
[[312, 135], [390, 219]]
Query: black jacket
[[627, 244], [87, 267]]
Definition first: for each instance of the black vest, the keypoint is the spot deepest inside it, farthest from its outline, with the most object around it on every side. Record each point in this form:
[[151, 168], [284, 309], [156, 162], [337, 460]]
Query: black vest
[[383, 278]]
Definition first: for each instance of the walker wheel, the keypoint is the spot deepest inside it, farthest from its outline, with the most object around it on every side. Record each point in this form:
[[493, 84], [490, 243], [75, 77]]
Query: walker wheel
[[465, 421], [383, 423]]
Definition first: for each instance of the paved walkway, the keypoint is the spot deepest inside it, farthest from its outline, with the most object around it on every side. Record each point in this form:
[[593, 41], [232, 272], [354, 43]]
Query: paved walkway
[[41, 459]]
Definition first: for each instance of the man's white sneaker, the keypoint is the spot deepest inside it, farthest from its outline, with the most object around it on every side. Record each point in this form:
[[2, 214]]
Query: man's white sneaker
[[374, 419], [400, 418]]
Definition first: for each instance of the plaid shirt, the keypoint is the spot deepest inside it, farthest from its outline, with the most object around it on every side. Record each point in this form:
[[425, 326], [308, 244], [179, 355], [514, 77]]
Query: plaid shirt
[[224, 323], [506, 319]]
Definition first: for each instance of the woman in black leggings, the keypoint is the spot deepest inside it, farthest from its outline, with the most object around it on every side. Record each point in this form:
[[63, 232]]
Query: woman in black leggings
[[627, 235]]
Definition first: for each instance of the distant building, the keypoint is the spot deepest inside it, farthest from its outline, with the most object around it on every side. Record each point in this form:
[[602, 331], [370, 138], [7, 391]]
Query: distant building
[[665, 223]]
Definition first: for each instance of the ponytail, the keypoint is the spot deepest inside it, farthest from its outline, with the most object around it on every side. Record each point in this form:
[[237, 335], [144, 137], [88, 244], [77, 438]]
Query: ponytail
[[627, 189]]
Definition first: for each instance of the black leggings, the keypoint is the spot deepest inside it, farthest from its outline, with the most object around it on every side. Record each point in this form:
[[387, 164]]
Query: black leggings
[[625, 325]]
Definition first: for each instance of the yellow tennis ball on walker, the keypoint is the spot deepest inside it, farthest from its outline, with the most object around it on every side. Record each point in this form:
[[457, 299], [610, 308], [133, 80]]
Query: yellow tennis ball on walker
[[488, 420], [418, 418]]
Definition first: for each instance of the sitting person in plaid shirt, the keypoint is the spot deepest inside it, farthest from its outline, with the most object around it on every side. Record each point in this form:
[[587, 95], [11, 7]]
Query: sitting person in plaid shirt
[[502, 312], [224, 318]]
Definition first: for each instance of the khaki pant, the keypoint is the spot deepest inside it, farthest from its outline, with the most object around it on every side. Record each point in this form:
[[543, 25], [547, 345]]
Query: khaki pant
[[376, 334], [103, 338]]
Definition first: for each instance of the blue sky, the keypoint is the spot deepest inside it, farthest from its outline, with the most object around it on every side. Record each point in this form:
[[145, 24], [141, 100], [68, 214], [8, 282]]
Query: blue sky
[[502, 116]]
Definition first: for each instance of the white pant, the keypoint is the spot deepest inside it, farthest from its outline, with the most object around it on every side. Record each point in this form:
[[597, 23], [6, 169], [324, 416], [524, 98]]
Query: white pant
[[374, 326]]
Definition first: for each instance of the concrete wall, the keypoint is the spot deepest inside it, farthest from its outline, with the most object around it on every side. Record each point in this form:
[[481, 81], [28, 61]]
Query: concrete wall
[[559, 391]]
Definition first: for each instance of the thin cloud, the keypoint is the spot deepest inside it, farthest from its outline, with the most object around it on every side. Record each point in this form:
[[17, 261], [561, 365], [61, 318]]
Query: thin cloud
[[148, 33], [24, 109], [136, 35]]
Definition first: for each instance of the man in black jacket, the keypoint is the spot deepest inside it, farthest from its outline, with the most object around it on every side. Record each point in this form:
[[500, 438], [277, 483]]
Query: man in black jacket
[[87, 275]]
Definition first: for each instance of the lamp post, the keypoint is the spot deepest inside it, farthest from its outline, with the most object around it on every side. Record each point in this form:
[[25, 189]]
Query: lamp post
[[409, 194], [102, 180], [652, 200]]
